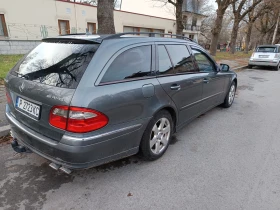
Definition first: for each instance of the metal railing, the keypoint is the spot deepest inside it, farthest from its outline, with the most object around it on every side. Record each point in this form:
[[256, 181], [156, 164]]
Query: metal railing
[[191, 27]]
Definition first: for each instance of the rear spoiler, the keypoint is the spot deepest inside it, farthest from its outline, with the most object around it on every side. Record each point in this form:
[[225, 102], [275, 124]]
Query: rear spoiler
[[72, 40]]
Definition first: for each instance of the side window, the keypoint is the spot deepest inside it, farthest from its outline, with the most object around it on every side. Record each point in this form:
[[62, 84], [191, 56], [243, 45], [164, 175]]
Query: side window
[[164, 63], [133, 63], [203, 62], [181, 58]]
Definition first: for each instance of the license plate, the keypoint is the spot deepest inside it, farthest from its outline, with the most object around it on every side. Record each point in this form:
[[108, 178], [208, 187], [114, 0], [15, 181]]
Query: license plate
[[263, 56], [28, 107]]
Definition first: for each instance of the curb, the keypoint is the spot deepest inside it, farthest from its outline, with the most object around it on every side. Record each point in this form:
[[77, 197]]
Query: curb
[[4, 130], [239, 68]]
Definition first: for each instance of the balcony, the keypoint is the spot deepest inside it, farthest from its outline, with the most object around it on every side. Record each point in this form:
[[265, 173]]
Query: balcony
[[190, 27]]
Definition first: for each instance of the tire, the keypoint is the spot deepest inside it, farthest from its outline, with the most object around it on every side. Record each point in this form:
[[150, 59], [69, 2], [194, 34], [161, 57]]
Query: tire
[[250, 66], [277, 67], [230, 96], [153, 150]]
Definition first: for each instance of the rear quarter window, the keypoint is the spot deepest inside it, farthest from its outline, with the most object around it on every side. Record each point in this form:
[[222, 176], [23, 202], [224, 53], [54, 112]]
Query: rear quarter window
[[134, 63], [56, 64]]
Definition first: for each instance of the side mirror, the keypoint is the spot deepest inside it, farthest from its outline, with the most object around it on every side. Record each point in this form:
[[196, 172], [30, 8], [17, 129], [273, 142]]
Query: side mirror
[[224, 67]]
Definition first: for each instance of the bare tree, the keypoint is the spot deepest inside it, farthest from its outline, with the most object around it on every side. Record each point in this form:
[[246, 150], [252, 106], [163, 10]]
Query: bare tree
[[105, 17], [178, 5], [276, 29], [253, 15], [266, 25], [222, 7], [240, 10]]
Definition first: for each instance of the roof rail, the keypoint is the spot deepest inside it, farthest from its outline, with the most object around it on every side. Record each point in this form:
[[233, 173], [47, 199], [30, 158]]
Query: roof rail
[[151, 34], [73, 34]]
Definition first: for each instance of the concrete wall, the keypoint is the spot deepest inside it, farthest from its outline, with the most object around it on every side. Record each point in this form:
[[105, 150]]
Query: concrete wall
[[17, 47]]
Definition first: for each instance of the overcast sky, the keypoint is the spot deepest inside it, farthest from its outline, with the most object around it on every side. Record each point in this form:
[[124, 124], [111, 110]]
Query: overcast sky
[[150, 7]]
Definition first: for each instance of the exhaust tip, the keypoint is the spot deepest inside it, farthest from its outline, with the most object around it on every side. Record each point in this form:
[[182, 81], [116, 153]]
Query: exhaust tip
[[65, 170], [54, 166]]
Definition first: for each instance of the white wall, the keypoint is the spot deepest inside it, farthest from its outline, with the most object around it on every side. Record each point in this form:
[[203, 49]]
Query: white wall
[[27, 19]]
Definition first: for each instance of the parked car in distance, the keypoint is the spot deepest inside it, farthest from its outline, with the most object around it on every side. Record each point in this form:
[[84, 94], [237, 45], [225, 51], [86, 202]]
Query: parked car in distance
[[266, 55], [85, 100]]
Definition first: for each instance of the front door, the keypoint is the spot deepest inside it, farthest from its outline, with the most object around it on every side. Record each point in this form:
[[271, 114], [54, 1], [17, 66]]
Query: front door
[[180, 79], [213, 81]]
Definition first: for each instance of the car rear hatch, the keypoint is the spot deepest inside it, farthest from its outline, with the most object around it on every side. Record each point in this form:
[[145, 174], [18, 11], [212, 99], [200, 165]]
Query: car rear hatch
[[47, 77], [265, 53]]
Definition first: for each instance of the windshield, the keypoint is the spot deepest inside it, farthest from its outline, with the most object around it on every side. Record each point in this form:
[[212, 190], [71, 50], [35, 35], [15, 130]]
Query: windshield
[[267, 49], [56, 64]]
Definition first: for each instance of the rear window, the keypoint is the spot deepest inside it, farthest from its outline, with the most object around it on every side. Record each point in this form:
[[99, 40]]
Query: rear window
[[267, 49], [56, 64]]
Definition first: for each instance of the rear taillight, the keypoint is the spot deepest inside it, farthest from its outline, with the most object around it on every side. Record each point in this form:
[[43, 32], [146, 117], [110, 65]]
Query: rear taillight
[[77, 120], [9, 99]]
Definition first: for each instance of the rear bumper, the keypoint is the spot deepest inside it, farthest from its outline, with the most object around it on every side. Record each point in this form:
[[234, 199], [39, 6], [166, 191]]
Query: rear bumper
[[263, 63], [118, 144]]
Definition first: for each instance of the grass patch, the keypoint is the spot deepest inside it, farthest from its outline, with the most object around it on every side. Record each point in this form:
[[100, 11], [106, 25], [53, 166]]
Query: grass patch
[[228, 56], [6, 63]]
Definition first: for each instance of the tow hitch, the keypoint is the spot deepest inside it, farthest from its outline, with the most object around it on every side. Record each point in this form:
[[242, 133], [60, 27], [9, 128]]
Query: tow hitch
[[19, 148]]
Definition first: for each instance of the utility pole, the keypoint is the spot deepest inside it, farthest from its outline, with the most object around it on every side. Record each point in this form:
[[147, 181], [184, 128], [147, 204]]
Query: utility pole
[[276, 29]]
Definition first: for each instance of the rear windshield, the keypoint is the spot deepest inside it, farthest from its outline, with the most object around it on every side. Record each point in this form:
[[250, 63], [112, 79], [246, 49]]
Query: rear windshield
[[267, 49], [56, 64]]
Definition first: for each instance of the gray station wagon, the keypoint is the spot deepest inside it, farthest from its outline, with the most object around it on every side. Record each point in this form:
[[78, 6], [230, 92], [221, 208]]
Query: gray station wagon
[[85, 100]]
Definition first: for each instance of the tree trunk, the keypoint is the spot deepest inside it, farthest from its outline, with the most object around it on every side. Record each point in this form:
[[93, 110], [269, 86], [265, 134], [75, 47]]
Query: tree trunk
[[276, 29], [248, 37], [105, 17], [179, 17], [234, 34], [216, 31]]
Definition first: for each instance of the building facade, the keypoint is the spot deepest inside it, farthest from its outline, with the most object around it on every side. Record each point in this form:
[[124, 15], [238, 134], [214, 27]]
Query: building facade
[[25, 23]]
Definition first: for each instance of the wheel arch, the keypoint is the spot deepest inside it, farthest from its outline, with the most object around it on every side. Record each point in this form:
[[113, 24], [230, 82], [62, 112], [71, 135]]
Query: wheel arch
[[173, 112]]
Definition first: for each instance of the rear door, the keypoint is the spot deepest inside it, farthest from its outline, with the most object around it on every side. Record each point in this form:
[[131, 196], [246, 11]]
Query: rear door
[[180, 79], [46, 77], [213, 81]]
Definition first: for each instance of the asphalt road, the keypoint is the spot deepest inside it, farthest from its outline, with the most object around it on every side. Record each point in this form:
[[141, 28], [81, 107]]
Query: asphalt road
[[225, 159]]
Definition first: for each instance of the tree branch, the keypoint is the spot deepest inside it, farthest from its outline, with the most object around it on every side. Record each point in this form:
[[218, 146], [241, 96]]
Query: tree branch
[[171, 2]]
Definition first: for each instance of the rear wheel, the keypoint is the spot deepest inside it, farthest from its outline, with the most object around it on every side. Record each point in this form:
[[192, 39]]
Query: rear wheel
[[157, 135], [250, 66], [230, 96]]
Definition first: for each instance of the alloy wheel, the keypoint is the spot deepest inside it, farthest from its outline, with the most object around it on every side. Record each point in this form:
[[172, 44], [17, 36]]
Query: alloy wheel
[[231, 94], [160, 135]]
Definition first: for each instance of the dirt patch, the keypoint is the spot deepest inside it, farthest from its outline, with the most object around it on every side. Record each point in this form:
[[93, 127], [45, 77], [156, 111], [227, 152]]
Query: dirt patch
[[259, 79], [5, 140], [246, 87]]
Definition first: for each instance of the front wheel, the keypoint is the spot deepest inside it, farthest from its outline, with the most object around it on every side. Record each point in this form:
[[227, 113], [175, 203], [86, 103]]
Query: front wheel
[[157, 135], [277, 67], [230, 96], [250, 66]]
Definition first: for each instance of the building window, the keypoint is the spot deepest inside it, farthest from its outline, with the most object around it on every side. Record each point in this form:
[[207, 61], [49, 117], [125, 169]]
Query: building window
[[64, 27], [140, 29], [191, 36], [91, 28], [3, 26]]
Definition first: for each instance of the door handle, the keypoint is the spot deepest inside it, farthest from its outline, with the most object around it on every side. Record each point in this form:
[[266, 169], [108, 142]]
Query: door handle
[[175, 87], [205, 80]]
